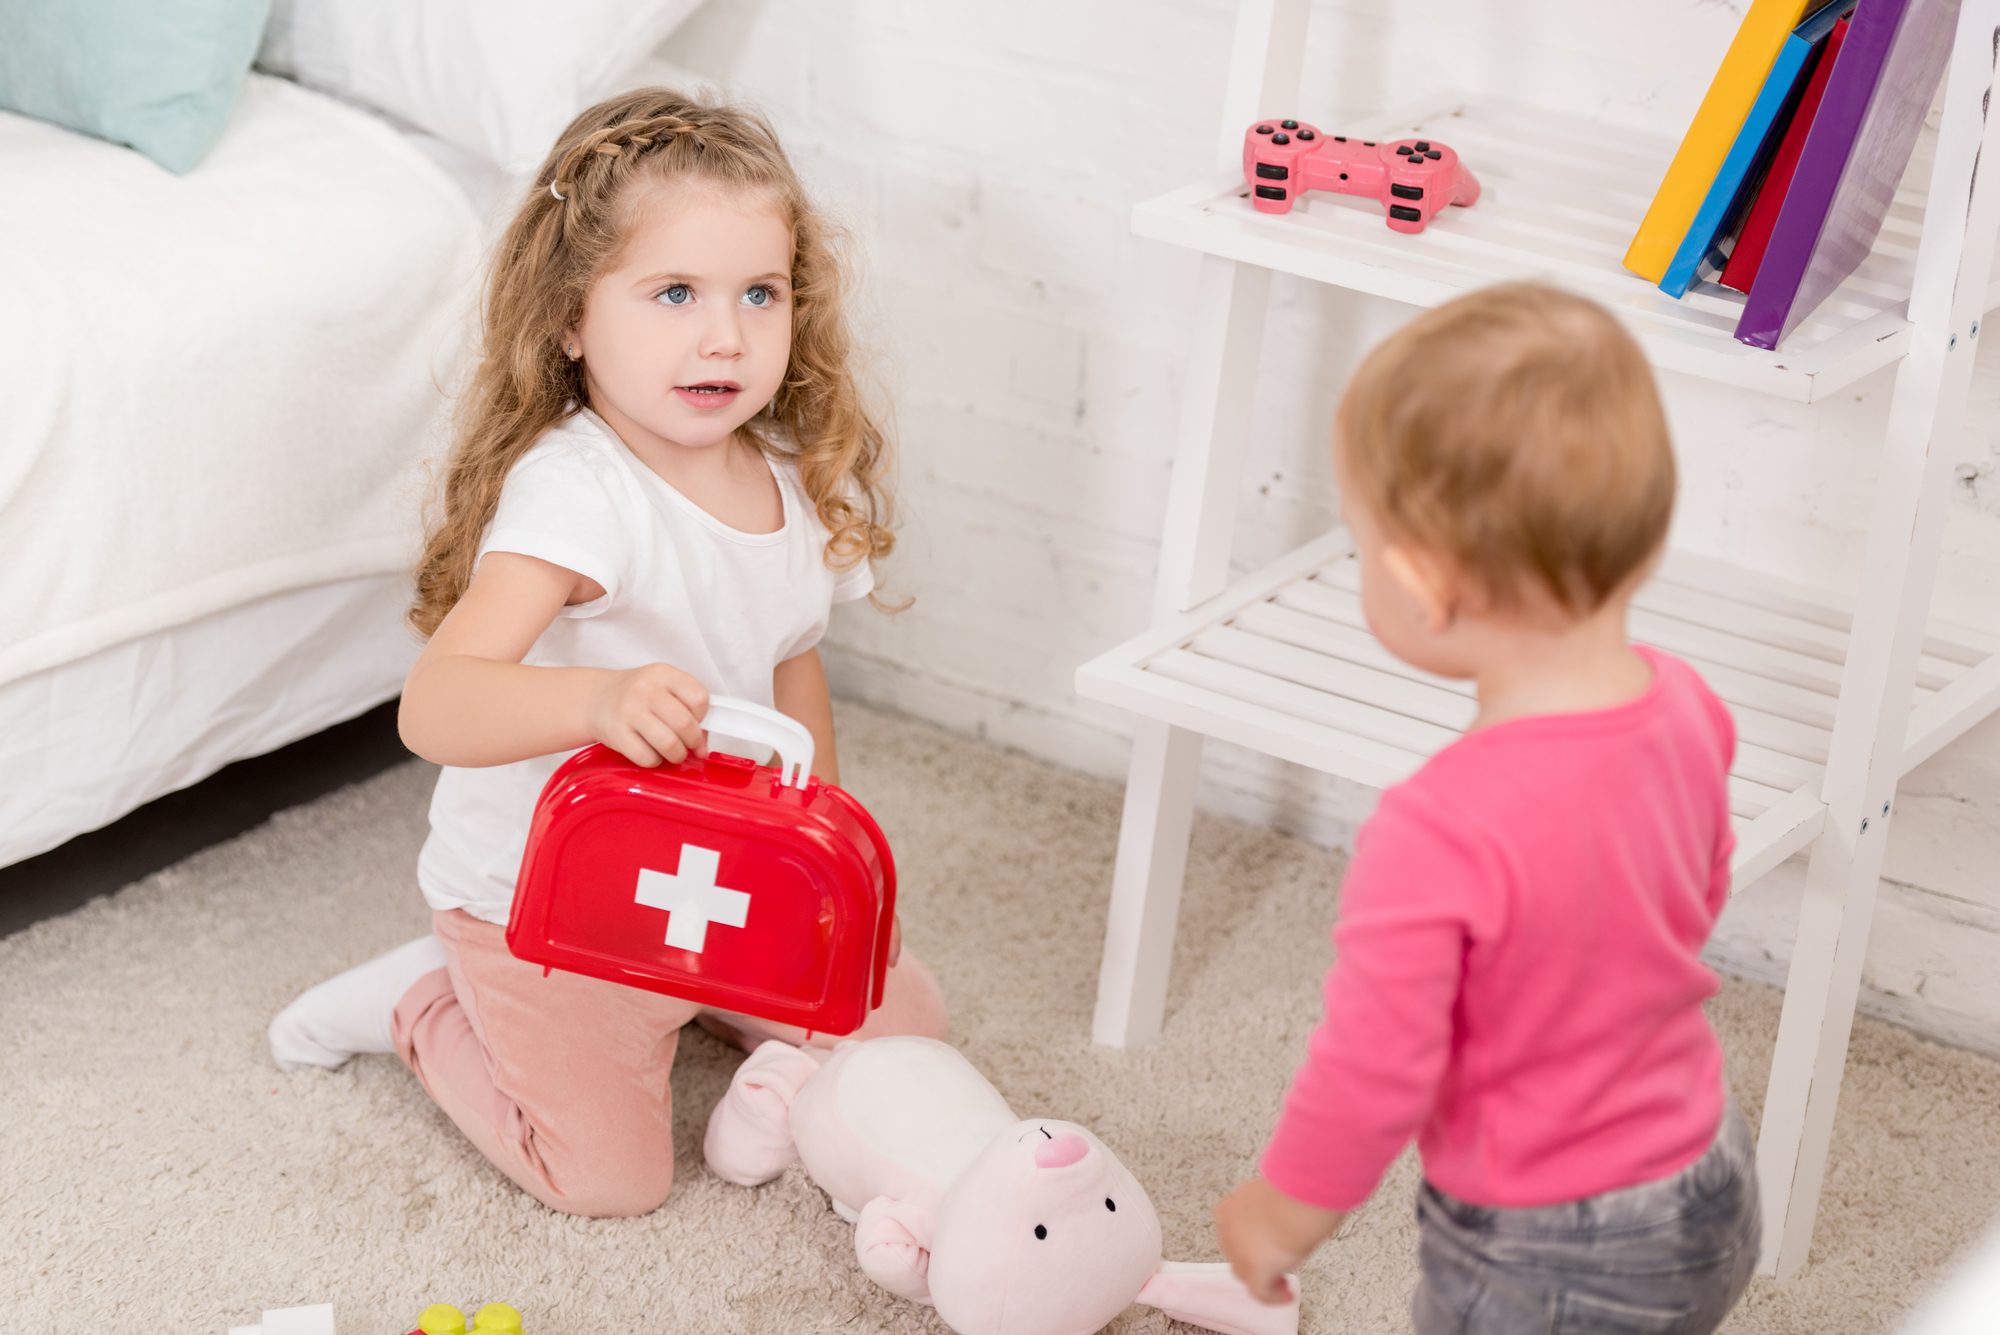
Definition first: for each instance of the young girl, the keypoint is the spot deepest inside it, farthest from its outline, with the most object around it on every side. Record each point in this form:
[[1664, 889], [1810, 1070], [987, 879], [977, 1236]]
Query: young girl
[[663, 479], [1518, 979]]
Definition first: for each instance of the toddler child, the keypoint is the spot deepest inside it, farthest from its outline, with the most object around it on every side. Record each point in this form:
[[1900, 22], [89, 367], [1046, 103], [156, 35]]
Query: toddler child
[[1518, 981], [663, 478]]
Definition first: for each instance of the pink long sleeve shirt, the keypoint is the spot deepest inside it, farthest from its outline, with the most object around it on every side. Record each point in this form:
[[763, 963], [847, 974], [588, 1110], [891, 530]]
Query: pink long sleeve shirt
[[1517, 977]]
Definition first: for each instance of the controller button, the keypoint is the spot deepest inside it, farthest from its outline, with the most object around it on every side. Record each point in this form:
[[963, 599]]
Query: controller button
[[1270, 192], [1423, 145], [1281, 139], [1403, 150], [1368, 143], [1434, 155], [1289, 125], [1343, 176], [1404, 213], [1407, 191], [1271, 171], [1263, 129], [1305, 135]]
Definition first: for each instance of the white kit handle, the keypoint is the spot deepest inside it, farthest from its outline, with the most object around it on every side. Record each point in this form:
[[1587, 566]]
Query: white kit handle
[[749, 722]]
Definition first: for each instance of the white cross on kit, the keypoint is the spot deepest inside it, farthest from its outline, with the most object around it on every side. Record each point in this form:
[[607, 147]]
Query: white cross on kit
[[691, 898]]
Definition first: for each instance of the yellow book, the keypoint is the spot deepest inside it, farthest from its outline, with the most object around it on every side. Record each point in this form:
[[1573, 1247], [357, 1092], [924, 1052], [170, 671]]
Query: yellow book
[[1736, 86]]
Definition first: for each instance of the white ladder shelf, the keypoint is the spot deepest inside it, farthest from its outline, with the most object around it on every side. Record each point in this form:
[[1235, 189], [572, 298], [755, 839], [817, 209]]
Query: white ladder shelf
[[1836, 697]]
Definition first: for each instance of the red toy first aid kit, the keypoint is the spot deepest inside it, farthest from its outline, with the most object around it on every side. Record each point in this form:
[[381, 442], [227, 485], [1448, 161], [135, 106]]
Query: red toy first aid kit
[[750, 888]]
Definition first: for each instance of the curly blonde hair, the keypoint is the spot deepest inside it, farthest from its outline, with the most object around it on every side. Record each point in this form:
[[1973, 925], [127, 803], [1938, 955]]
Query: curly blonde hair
[[569, 230]]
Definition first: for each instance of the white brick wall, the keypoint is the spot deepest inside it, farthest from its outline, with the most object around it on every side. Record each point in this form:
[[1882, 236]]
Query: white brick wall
[[987, 154]]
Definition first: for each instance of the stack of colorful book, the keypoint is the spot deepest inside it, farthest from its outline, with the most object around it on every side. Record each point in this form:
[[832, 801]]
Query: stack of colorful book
[[1782, 183]]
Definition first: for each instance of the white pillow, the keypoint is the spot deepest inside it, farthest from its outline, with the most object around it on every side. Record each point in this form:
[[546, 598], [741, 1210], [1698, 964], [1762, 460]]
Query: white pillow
[[499, 78]]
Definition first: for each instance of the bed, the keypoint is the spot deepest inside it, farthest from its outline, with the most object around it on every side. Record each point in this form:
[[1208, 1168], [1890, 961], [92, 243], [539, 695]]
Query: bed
[[221, 391]]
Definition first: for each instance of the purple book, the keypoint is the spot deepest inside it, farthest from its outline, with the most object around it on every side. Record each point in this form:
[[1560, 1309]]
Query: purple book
[[1860, 142]]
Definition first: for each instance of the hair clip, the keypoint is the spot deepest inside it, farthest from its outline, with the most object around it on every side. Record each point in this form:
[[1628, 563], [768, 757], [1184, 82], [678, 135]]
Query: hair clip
[[557, 193]]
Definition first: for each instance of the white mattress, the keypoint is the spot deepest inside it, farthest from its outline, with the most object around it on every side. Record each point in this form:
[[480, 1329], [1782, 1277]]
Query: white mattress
[[219, 385], [84, 743], [221, 390]]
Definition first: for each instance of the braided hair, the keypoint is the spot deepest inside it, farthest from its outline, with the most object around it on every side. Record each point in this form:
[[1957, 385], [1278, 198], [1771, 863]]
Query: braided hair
[[570, 229]]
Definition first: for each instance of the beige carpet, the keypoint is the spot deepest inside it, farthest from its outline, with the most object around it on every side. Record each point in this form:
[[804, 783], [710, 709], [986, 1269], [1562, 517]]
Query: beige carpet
[[158, 1175]]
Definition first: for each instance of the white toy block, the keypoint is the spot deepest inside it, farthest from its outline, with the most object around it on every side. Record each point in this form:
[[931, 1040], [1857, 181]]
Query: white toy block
[[314, 1320]]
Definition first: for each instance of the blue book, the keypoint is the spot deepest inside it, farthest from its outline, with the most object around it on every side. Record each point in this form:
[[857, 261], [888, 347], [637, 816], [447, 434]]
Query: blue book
[[1703, 248]]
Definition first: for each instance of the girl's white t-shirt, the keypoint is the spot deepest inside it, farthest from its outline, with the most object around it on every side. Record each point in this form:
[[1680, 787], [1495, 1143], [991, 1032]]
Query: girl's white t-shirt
[[680, 587]]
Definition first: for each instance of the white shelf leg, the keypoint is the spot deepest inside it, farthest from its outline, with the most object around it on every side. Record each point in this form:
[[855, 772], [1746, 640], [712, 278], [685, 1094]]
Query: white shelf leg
[[1194, 566], [1872, 719], [1863, 766], [1146, 887], [1265, 63], [1215, 420]]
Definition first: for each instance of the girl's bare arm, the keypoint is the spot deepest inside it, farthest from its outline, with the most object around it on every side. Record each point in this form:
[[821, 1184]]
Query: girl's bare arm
[[470, 701], [798, 688]]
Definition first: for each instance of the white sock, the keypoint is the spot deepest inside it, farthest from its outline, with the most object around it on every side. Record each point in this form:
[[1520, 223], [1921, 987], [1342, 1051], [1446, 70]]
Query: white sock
[[351, 1012]]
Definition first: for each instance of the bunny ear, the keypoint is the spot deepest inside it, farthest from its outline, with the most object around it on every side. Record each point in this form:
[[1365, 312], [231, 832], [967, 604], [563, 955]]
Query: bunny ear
[[1210, 1297]]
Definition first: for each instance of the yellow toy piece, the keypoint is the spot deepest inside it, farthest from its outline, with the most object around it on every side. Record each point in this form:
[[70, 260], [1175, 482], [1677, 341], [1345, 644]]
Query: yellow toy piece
[[442, 1319], [498, 1318]]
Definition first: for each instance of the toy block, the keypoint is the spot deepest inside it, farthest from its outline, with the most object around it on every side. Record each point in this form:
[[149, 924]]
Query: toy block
[[441, 1319], [497, 1319], [314, 1320]]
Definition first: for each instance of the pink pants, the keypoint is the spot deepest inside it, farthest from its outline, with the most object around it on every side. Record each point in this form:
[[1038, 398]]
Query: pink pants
[[562, 1080]]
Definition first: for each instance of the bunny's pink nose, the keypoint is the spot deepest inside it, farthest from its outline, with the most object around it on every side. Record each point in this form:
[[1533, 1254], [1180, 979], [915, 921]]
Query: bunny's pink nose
[[1060, 1152]]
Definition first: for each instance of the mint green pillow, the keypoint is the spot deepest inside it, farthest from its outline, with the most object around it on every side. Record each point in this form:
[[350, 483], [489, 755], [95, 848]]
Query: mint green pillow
[[159, 75]]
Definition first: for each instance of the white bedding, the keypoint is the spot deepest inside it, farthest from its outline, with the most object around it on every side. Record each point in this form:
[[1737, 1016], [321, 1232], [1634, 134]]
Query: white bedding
[[216, 385], [86, 742]]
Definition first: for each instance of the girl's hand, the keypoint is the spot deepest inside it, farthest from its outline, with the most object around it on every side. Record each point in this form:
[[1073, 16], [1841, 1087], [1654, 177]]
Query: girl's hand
[[1265, 1233], [649, 714]]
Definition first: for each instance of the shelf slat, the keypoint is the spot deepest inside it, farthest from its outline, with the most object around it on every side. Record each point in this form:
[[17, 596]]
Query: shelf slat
[[1954, 644], [1416, 737], [1448, 711], [1283, 662], [1700, 613], [1274, 620]]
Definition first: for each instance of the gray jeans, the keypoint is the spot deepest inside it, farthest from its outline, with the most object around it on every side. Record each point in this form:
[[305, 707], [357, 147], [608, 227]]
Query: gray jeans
[[1662, 1258]]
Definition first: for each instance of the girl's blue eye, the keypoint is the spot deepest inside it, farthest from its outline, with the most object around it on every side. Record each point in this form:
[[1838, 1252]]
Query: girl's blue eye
[[758, 296], [679, 294]]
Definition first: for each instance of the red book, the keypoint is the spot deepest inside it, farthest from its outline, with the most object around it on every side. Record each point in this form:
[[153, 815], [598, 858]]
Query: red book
[[1741, 270]]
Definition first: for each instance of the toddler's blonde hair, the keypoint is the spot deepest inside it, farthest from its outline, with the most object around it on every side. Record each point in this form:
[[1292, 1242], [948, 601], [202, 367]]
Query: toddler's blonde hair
[[571, 228], [1517, 431]]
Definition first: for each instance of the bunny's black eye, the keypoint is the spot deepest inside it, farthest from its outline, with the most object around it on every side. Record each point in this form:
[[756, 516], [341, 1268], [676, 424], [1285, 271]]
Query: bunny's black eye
[[1111, 1205], [1040, 1232]]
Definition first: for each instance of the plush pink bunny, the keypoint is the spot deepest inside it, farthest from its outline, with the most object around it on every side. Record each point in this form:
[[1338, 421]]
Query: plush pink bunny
[[1008, 1227]]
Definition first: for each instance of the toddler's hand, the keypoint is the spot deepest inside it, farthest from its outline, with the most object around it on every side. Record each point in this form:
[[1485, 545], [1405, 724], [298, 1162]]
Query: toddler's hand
[[649, 714], [1265, 1233]]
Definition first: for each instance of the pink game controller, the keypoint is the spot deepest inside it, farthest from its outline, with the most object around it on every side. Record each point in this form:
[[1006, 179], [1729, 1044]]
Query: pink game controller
[[1416, 178]]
